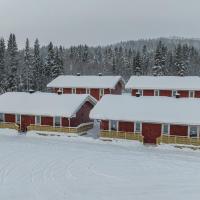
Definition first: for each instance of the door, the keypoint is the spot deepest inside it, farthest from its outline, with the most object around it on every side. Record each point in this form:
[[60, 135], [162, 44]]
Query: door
[[26, 121]]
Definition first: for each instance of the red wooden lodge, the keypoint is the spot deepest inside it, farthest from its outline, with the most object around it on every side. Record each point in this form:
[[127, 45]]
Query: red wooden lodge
[[96, 86], [149, 119], [171, 86], [46, 112]]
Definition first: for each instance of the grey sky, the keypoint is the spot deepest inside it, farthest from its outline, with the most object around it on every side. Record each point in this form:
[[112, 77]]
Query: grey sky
[[71, 22]]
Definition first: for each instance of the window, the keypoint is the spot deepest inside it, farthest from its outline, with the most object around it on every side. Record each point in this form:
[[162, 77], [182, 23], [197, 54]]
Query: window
[[1, 117], [140, 92], [191, 94], [38, 120], [165, 129], [101, 92], [113, 125], [73, 90], [156, 93], [137, 127], [18, 119], [87, 90], [193, 131], [57, 121], [174, 92]]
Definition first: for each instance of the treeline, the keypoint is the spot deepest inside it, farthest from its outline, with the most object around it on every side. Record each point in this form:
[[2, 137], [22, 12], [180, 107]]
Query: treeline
[[33, 67]]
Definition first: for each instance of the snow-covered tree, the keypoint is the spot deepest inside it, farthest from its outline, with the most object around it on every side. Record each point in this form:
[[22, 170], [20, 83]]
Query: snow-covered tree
[[2, 65]]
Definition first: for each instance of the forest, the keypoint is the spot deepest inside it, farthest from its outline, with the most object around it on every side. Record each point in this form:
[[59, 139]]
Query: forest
[[34, 66]]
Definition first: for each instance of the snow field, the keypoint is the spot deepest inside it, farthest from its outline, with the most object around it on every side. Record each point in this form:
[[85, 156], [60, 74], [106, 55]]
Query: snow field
[[81, 168]]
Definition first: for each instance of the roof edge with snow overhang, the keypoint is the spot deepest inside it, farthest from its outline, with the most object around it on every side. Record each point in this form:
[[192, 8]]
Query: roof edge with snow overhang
[[164, 82], [90, 82], [147, 109]]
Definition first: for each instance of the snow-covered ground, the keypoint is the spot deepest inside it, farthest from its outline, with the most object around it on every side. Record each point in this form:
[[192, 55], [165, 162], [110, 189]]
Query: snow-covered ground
[[83, 168]]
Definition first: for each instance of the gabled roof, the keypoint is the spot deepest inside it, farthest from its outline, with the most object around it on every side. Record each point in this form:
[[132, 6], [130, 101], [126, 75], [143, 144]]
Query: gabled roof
[[164, 82], [46, 104], [66, 81], [147, 109]]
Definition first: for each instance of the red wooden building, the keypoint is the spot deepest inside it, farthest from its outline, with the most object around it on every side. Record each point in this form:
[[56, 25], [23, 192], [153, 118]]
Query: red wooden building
[[96, 86], [46, 111], [171, 86], [125, 116]]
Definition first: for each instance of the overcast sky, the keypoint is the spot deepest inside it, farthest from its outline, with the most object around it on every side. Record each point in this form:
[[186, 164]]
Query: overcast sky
[[98, 22]]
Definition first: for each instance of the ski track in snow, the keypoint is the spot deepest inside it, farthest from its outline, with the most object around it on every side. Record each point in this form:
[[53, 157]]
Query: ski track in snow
[[81, 168]]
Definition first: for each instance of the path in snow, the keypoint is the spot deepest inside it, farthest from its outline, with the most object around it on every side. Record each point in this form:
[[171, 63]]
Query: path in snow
[[81, 168]]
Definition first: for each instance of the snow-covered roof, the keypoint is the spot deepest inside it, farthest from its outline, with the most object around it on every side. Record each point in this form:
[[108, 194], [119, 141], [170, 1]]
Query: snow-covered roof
[[164, 82], [147, 109], [46, 104], [70, 81]]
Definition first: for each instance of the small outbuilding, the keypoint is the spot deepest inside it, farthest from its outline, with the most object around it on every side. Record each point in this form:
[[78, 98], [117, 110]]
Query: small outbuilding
[[149, 119], [96, 86], [170, 86], [46, 112]]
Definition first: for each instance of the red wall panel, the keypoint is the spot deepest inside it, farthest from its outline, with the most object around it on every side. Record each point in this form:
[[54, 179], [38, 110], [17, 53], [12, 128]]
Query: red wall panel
[[95, 93], [126, 126], [104, 125], [151, 132], [82, 116], [10, 118], [197, 94], [67, 90], [179, 130], [148, 92], [183, 93], [107, 91], [47, 120], [65, 122], [118, 88], [26, 121], [80, 91], [167, 93]]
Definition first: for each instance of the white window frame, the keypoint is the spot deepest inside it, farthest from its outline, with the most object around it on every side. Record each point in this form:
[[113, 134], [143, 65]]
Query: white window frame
[[17, 122], [140, 91], [87, 90], [3, 117], [174, 92], [73, 90], [198, 129], [135, 131], [39, 120], [158, 91], [168, 133], [192, 92], [117, 125], [54, 121], [101, 92]]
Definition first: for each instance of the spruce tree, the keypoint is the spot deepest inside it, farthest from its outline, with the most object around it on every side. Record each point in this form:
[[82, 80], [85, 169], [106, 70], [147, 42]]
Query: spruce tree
[[13, 78], [179, 64], [28, 82], [2, 66], [157, 68], [137, 62]]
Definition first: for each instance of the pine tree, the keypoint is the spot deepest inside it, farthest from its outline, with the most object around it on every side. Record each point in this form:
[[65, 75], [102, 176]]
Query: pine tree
[[38, 72], [50, 63], [28, 82], [137, 62], [157, 68], [13, 78], [2, 65], [180, 67]]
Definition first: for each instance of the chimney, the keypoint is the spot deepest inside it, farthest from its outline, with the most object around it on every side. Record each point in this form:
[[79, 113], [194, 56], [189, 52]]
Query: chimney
[[59, 92], [78, 74], [137, 94], [100, 74], [177, 95], [31, 91]]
